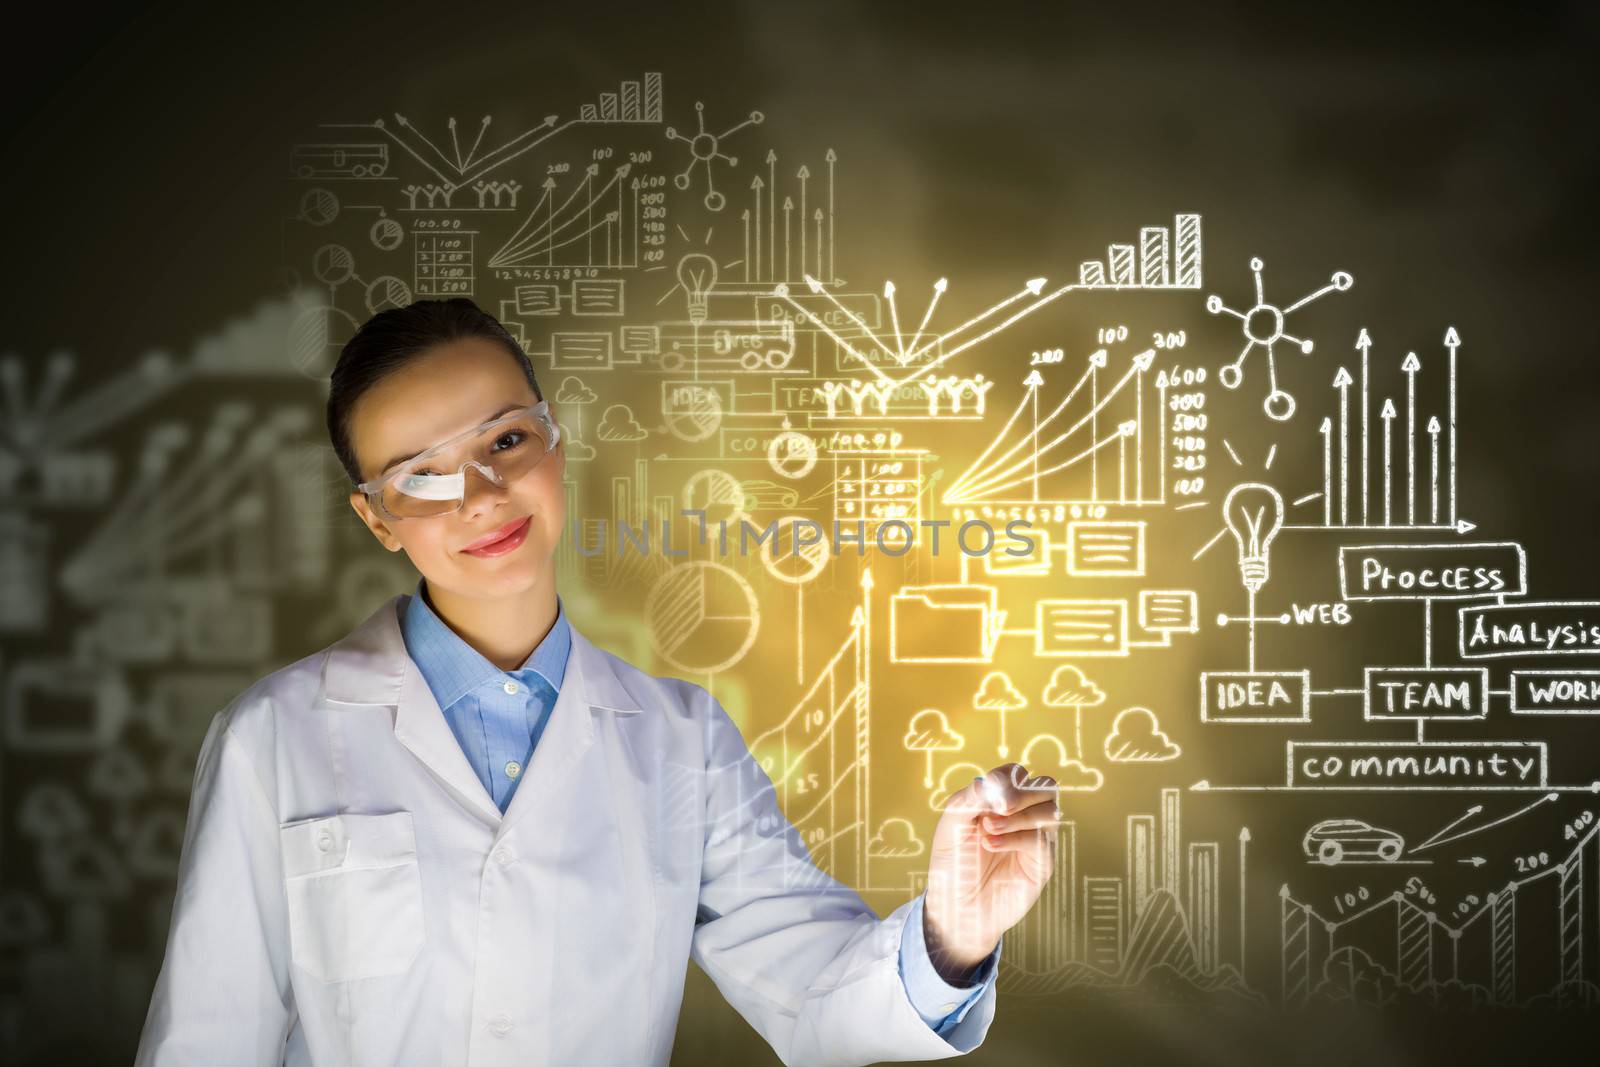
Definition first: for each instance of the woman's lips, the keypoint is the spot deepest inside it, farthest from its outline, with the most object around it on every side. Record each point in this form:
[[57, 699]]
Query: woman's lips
[[502, 540]]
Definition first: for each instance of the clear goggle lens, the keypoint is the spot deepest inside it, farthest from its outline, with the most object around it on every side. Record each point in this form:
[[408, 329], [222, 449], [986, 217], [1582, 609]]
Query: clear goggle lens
[[435, 482]]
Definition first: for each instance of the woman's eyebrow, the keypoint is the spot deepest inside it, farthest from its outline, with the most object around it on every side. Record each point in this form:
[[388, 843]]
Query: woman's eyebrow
[[508, 409]]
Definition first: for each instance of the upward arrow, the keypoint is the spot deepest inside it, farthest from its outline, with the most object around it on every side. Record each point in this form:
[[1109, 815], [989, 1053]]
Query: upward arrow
[[1364, 346], [1244, 846], [772, 212], [832, 157], [1433, 470], [1409, 367], [1097, 359], [1387, 415], [1326, 430], [803, 174], [788, 214], [1452, 341], [756, 185], [1033, 381], [818, 218], [1341, 382]]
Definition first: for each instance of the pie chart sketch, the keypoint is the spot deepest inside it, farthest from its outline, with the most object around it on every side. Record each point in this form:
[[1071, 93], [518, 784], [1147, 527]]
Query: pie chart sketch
[[692, 412], [788, 561], [717, 493], [703, 617]]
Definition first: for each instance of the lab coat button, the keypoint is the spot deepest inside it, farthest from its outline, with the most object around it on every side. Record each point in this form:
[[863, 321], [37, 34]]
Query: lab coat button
[[500, 1025], [510, 687], [504, 857], [325, 842], [513, 769]]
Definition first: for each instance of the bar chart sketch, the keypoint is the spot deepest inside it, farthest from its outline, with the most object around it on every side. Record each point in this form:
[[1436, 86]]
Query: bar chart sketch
[[634, 101], [1157, 926], [1163, 258]]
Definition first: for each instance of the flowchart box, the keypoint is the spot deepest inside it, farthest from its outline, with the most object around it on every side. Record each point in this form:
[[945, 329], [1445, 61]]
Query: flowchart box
[[1399, 766], [1081, 628], [597, 296], [1451, 694], [1175, 611], [1530, 628], [1255, 696], [1555, 692], [1105, 549], [1036, 562], [1472, 571]]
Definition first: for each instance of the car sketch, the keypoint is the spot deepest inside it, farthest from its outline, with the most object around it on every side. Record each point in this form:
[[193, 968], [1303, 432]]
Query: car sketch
[[1337, 840], [763, 495]]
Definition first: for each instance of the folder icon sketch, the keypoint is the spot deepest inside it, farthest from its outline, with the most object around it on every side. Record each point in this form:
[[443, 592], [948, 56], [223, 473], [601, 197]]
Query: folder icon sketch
[[944, 624]]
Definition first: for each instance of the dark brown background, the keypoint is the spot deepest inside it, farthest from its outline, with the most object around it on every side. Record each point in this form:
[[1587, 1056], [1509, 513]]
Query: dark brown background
[[1446, 155]]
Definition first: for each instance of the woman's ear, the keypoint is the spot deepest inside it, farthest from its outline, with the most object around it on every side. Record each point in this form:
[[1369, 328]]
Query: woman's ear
[[379, 528]]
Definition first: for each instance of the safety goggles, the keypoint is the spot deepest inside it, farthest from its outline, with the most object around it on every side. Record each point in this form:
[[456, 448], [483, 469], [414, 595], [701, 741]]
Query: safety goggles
[[435, 482]]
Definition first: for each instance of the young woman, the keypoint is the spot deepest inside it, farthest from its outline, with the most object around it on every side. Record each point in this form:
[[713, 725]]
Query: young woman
[[465, 834]]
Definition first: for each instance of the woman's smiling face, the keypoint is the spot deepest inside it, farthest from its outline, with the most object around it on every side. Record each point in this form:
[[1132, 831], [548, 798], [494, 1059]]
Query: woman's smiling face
[[449, 390]]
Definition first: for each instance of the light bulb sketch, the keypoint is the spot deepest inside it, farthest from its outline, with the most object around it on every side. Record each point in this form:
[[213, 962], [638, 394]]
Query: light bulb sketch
[[1263, 325], [697, 274], [704, 147], [1253, 512]]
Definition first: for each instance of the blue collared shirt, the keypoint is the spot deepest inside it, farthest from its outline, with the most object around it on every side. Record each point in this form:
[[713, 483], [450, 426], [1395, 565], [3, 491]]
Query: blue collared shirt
[[941, 1005], [498, 716]]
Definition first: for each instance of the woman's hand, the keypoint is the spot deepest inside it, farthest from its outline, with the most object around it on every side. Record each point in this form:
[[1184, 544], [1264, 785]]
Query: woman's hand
[[993, 851]]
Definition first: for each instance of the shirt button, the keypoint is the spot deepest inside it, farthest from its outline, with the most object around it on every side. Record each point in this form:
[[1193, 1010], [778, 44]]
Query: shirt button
[[513, 769], [947, 1008], [510, 687], [504, 857], [500, 1025]]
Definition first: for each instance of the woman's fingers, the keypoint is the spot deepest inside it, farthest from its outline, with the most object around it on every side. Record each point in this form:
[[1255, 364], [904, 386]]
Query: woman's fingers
[[1017, 841], [1006, 793], [1045, 812]]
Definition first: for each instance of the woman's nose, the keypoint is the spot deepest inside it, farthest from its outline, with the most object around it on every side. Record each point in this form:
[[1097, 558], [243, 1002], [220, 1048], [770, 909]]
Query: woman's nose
[[480, 491]]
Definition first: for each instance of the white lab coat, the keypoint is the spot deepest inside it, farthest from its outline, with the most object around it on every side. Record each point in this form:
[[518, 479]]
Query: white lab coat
[[350, 894]]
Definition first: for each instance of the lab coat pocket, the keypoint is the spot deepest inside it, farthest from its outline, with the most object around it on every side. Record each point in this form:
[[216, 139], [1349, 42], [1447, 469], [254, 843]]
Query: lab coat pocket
[[677, 832], [354, 893]]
